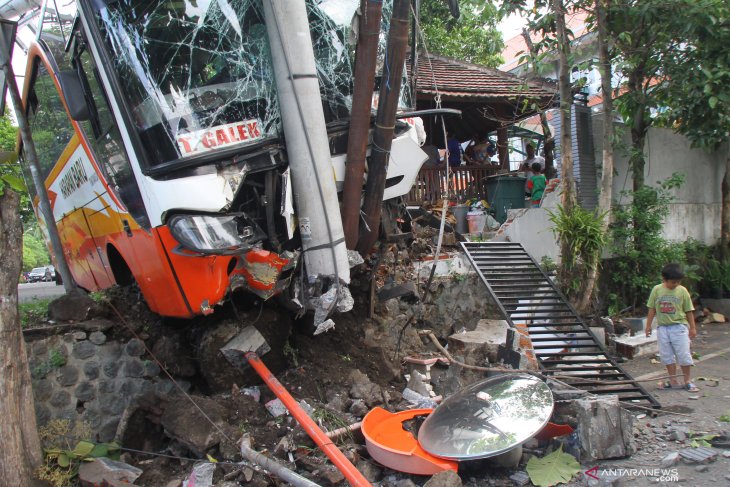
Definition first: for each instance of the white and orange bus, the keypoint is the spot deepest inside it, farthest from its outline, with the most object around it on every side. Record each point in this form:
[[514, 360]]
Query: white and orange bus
[[159, 134]]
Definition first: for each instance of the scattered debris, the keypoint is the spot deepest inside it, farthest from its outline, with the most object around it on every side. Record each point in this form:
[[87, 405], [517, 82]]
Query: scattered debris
[[520, 478], [605, 429], [698, 455], [449, 478], [670, 460], [103, 470], [201, 476]]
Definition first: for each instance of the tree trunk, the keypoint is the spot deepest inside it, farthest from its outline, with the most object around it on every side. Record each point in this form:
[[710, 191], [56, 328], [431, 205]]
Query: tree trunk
[[566, 99], [638, 138], [547, 133], [568, 200], [725, 214], [604, 198], [20, 454]]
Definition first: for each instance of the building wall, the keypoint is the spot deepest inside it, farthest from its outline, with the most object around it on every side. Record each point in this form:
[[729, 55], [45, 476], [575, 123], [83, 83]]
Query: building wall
[[696, 210]]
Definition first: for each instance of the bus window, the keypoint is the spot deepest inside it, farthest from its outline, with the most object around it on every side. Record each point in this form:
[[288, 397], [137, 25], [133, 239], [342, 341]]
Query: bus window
[[51, 128], [105, 139]]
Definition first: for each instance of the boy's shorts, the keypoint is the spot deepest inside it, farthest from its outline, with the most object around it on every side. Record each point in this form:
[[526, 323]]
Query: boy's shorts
[[674, 341]]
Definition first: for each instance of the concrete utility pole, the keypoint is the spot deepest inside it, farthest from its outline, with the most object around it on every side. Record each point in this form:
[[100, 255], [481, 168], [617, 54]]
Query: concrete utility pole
[[315, 194], [31, 157]]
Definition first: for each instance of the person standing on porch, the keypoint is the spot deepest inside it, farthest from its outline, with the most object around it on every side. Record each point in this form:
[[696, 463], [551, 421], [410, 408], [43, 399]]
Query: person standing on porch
[[532, 158], [454, 150]]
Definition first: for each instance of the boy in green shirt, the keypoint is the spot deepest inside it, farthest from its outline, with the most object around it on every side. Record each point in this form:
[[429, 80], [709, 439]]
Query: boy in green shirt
[[671, 304], [536, 185]]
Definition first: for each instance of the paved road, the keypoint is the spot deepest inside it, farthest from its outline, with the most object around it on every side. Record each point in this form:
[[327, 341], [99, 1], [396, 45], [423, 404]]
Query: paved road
[[38, 290], [699, 413]]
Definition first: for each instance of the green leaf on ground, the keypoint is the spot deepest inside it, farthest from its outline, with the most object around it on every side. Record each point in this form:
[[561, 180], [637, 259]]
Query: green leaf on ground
[[63, 460], [83, 448], [553, 469]]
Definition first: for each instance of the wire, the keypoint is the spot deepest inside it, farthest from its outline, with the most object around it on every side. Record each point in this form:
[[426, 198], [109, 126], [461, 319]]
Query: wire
[[166, 372]]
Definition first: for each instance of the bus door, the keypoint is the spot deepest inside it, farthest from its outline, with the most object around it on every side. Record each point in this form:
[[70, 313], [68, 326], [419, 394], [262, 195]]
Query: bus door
[[125, 224], [67, 173]]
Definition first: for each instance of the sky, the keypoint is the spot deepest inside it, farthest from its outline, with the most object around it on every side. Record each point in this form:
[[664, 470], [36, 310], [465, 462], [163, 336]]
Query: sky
[[511, 26]]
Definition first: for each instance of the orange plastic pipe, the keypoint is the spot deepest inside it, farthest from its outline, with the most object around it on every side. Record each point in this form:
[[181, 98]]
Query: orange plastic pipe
[[352, 474]]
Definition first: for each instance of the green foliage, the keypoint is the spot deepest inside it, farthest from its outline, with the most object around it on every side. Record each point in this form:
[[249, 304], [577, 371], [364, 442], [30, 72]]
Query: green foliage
[[699, 440], [33, 312], [581, 230], [35, 251], [329, 421], [473, 37], [725, 418], [552, 469], [697, 98], [548, 265], [637, 244], [65, 448], [291, 353], [55, 360]]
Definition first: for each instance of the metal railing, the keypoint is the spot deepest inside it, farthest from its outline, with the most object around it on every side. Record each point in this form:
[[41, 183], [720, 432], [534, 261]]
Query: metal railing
[[467, 182]]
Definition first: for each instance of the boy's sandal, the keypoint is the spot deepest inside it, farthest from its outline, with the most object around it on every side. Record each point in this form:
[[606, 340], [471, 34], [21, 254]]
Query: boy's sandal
[[691, 387], [664, 385]]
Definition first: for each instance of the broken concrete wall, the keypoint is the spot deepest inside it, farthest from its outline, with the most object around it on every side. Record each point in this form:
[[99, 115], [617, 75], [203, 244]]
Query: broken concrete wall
[[532, 228], [83, 376], [603, 428], [456, 302]]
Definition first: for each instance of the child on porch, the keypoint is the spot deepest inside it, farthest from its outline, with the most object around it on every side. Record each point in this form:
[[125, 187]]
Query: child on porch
[[671, 304], [536, 184]]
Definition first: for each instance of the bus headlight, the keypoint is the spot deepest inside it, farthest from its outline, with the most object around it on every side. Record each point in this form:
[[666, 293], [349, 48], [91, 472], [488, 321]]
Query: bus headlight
[[227, 234]]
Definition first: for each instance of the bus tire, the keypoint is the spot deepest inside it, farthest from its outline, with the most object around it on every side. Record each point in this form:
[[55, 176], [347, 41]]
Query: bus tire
[[121, 271]]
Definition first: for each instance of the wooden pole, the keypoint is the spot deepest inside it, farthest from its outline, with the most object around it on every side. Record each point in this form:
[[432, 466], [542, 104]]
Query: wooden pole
[[362, 97], [385, 124]]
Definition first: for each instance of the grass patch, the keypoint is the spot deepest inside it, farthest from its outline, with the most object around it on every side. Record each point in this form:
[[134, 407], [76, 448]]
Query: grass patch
[[55, 360], [34, 313]]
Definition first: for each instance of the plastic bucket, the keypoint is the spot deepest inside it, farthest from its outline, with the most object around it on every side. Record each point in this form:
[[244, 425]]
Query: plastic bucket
[[476, 222], [460, 212]]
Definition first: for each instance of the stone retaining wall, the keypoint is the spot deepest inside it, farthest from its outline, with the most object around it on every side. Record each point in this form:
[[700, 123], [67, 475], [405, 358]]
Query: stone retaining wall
[[81, 375]]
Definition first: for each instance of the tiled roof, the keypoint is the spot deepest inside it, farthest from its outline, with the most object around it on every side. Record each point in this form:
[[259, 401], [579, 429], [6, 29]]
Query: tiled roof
[[457, 79]]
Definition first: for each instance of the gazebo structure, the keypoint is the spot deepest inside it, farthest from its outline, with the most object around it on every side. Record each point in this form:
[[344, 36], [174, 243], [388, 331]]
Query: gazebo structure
[[490, 101]]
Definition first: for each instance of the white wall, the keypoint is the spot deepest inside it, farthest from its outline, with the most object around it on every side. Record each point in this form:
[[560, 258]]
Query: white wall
[[696, 211]]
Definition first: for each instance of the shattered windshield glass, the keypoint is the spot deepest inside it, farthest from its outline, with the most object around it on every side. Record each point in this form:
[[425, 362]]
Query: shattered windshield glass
[[197, 74]]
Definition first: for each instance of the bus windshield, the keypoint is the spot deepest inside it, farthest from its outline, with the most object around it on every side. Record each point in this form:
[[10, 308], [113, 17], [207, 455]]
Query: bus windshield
[[197, 74]]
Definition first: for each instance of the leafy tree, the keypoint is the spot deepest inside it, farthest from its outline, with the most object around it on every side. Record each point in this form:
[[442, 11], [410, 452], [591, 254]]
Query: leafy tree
[[473, 37], [696, 99], [35, 252], [645, 34]]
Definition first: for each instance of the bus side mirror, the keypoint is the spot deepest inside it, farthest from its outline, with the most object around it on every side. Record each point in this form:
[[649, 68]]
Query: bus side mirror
[[73, 92]]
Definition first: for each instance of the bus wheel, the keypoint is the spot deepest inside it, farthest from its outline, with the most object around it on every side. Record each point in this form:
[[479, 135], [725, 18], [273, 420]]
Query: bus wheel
[[122, 274]]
